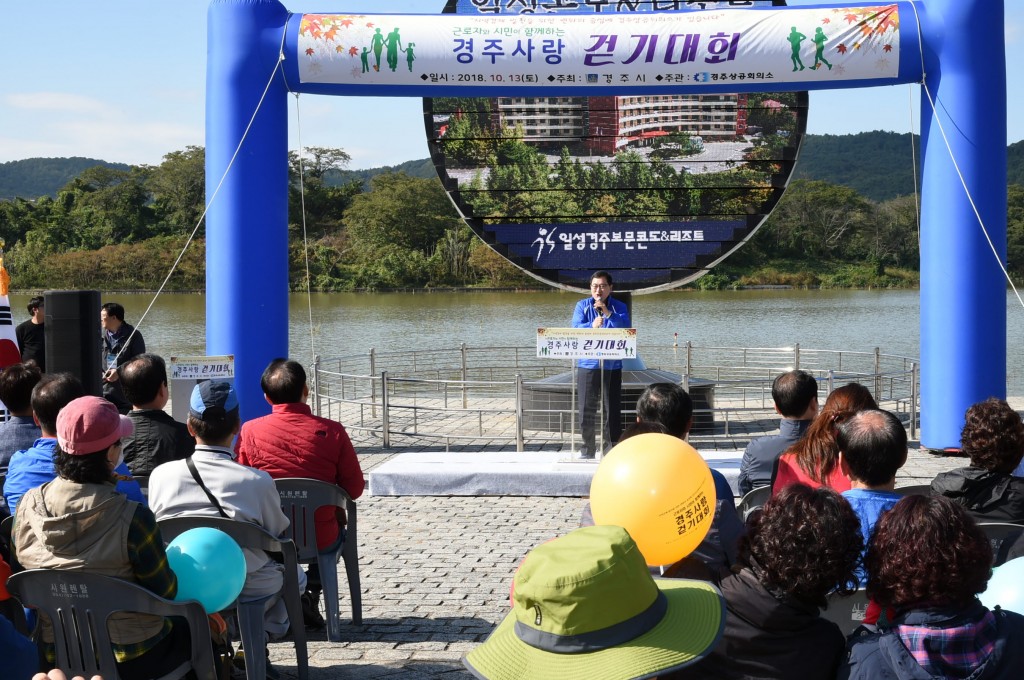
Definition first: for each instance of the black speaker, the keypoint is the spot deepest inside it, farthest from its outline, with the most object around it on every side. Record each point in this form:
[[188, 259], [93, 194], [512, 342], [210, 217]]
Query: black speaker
[[72, 336]]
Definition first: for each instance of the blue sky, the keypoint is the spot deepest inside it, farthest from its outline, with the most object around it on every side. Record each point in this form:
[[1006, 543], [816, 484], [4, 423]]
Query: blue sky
[[124, 80]]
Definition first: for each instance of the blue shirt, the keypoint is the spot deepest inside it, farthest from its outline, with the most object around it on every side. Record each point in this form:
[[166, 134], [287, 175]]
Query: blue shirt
[[869, 506], [583, 317], [34, 467]]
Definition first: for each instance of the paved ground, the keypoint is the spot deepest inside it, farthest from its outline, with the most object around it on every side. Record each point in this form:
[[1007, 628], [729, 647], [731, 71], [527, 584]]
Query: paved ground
[[436, 573]]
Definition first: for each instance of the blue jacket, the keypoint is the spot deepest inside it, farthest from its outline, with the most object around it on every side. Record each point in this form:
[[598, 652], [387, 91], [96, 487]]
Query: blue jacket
[[34, 467], [21, 658], [583, 316], [760, 456], [882, 656]]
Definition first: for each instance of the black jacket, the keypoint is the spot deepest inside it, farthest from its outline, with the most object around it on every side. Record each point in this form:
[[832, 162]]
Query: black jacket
[[158, 438], [112, 390], [760, 455], [882, 656], [989, 496], [769, 637]]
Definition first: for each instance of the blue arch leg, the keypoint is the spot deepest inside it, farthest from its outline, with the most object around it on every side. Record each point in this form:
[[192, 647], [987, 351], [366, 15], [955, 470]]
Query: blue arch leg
[[963, 292], [247, 226]]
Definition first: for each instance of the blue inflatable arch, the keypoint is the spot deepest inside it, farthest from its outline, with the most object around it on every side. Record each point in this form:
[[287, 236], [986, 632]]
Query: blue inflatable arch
[[955, 47]]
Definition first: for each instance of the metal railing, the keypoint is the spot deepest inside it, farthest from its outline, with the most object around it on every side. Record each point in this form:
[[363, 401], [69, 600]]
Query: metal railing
[[469, 395]]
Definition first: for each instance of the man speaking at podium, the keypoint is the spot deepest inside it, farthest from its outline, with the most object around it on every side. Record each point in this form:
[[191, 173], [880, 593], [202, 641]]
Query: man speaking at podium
[[599, 310]]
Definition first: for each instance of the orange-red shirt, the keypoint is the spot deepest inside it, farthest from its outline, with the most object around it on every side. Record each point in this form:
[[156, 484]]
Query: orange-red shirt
[[790, 471]]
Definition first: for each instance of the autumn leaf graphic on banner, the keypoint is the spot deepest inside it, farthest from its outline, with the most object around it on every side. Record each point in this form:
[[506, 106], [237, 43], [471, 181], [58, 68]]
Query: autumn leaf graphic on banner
[[333, 36]]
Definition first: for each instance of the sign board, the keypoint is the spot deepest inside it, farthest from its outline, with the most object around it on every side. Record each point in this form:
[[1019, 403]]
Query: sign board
[[187, 372], [656, 189], [658, 50], [586, 343]]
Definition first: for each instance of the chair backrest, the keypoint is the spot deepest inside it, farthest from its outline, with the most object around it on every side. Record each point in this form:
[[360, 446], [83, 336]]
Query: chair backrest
[[752, 500], [245, 534], [915, 490], [79, 604], [847, 612], [300, 497], [1002, 536]]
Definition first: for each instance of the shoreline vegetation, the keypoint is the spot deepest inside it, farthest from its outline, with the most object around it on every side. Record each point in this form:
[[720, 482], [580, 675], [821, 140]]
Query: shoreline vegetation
[[117, 229]]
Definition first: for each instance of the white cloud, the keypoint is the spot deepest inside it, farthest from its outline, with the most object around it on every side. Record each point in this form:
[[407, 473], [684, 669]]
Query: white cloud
[[141, 131], [62, 102]]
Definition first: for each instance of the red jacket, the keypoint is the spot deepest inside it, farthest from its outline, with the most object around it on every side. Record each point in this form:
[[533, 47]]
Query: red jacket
[[292, 442]]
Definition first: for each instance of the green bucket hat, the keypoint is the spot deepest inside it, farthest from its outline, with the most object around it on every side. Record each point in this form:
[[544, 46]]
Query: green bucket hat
[[585, 606]]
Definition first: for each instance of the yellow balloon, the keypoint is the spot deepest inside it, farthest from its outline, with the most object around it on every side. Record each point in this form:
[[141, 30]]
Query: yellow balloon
[[660, 490]]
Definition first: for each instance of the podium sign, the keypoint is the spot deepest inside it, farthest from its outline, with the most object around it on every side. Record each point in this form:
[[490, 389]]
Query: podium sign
[[187, 372], [586, 343]]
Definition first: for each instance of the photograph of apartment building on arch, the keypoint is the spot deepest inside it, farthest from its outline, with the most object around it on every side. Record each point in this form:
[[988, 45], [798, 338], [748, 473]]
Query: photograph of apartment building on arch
[[716, 164]]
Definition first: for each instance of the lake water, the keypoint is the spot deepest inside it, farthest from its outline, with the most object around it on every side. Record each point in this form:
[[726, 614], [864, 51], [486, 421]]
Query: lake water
[[352, 323]]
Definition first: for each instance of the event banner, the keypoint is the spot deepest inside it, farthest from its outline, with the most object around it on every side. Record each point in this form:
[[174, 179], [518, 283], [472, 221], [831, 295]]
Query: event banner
[[586, 343], [713, 47]]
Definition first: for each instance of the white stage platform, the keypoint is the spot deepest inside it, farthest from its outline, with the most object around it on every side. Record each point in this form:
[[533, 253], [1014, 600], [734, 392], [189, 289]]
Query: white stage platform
[[504, 473]]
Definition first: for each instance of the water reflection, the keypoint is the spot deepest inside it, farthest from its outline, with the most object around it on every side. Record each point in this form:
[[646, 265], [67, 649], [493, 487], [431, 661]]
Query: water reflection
[[350, 323]]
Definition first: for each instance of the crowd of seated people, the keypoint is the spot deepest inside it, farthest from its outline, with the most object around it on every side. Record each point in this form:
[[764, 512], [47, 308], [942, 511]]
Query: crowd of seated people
[[923, 561], [817, 538], [76, 506]]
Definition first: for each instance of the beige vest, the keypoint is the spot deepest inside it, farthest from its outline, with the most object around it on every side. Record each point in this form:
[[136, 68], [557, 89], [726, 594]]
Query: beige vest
[[82, 527]]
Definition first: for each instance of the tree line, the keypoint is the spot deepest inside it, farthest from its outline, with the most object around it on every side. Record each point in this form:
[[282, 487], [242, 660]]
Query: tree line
[[121, 229]]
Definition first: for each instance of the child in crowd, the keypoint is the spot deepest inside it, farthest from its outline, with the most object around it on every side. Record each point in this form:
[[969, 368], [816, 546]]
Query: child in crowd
[[993, 438], [872, 447]]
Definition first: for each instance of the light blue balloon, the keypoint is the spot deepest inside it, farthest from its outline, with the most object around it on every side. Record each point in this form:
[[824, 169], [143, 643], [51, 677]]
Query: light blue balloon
[[1006, 587], [209, 565]]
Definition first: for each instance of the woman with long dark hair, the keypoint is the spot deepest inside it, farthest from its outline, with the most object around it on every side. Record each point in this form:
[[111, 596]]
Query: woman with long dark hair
[[814, 459]]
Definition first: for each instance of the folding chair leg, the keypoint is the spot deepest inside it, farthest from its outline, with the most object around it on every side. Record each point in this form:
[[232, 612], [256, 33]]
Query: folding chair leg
[[329, 582], [250, 629], [350, 556], [294, 606]]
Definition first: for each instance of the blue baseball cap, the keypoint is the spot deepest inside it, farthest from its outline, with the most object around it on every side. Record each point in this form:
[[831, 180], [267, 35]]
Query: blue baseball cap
[[213, 400]]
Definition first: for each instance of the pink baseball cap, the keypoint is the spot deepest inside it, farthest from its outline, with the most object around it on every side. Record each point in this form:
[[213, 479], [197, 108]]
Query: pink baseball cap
[[90, 425]]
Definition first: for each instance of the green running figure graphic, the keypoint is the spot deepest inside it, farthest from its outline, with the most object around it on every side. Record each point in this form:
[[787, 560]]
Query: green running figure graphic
[[377, 45], [409, 56], [795, 38], [365, 58], [819, 52]]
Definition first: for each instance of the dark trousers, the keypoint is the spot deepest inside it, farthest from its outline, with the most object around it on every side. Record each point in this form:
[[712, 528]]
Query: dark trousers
[[591, 384]]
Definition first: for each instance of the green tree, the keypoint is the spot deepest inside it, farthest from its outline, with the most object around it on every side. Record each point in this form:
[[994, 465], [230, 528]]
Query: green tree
[[816, 218], [399, 211], [322, 204], [178, 186], [104, 206], [1015, 229], [892, 236]]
